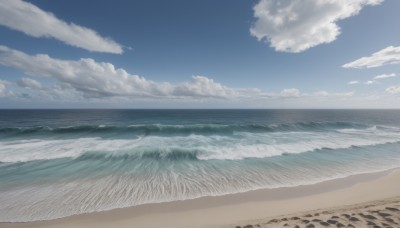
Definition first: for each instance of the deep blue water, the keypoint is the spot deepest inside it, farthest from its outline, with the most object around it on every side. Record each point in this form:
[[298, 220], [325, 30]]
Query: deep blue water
[[56, 163]]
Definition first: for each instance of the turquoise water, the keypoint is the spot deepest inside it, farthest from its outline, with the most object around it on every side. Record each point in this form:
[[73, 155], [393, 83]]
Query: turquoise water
[[56, 163]]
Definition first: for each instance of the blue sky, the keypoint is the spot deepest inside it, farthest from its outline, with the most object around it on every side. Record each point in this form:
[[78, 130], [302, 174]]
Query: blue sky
[[200, 54]]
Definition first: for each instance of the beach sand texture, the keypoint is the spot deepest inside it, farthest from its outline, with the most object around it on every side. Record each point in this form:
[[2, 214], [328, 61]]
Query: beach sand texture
[[377, 214]]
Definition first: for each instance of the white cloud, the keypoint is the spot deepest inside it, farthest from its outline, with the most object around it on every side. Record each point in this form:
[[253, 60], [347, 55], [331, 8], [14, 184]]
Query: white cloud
[[290, 93], [393, 90], [99, 79], [203, 87], [386, 56], [370, 82], [327, 94], [29, 83], [353, 82], [384, 76], [295, 26], [374, 80], [31, 20]]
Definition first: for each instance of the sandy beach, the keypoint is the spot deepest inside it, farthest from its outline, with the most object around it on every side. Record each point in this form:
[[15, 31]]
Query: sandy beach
[[355, 200]]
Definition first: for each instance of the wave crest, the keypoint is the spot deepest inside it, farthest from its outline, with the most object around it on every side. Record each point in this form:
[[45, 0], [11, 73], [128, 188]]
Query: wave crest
[[162, 129], [172, 154]]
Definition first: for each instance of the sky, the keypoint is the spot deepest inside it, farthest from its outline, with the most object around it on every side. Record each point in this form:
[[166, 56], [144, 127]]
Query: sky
[[200, 54]]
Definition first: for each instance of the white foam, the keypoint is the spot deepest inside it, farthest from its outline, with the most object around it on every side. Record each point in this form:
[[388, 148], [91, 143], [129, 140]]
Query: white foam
[[68, 197], [224, 147]]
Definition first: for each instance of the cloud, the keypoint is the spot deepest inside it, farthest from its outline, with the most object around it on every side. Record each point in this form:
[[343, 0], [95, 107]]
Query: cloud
[[31, 20], [327, 94], [290, 93], [295, 26], [370, 82], [203, 87], [384, 76], [386, 56], [29, 83], [393, 90], [3, 87], [353, 82], [380, 77], [375, 79], [86, 80], [99, 79], [295, 93]]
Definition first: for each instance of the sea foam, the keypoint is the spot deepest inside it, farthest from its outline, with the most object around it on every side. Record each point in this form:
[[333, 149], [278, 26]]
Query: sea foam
[[238, 145]]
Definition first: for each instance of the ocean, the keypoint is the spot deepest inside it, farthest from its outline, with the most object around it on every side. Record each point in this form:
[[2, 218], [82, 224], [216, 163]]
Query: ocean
[[57, 163]]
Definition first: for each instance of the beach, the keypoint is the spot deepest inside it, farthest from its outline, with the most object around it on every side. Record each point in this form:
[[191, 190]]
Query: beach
[[356, 196]]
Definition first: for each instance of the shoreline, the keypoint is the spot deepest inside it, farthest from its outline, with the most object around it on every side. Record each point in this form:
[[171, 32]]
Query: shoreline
[[239, 208]]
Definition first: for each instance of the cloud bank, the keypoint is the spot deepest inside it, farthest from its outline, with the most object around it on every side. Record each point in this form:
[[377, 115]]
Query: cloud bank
[[386, 56], [31, 20], [100, 79], [295, 26], [87, 80]]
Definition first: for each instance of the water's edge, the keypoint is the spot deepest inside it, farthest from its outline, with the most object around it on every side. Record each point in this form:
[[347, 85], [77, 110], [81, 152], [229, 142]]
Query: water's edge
[[261, 194]]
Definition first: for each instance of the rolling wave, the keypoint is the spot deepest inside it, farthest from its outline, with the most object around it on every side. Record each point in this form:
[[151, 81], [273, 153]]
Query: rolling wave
[[162, 129], [235, 146]]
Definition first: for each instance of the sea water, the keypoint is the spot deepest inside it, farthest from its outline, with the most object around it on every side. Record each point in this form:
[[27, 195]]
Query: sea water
[[57, 163]]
